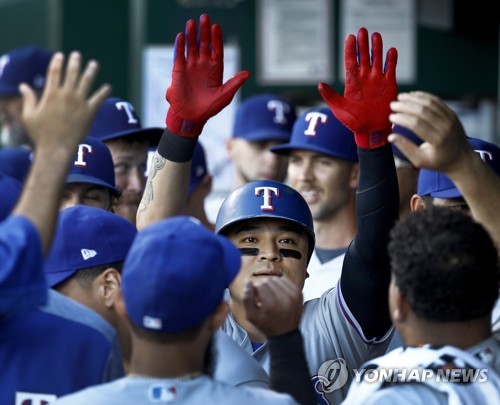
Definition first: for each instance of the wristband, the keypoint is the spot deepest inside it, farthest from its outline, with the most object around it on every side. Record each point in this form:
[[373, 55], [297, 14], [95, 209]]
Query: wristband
[[181, 127], [176, 148], [373, 140]]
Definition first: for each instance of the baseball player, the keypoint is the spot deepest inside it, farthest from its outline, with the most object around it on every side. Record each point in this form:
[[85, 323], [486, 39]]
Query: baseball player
[[21, 65], [438, 246], [33, 336], [271, 223], [323, 167], [91, 178], [173, 324], [119, 127], [85, 263]]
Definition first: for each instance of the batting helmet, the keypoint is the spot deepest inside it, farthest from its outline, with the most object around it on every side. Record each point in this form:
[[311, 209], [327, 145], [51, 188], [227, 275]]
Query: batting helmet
[[266, 199]]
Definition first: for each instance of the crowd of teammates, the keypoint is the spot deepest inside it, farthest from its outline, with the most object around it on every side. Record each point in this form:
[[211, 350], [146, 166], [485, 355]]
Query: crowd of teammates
[[360, 240]]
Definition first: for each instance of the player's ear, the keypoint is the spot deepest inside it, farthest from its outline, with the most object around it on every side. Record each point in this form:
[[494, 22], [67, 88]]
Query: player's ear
[[218, 316], [417, 203], [230, 147], [399, 304], [354, 177], [109, 285]]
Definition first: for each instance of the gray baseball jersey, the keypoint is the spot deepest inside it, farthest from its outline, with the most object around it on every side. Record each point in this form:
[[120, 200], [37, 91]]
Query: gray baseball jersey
[[444, 375], [333, 341], [145, 390], [322, 276]]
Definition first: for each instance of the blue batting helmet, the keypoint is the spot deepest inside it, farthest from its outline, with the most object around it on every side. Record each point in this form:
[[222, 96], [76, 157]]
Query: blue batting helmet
[[266, 199]]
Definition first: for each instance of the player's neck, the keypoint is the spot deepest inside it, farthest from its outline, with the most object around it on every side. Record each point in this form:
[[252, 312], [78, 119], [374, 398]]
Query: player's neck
[[162, 360], [459, 334], [336, 232], [239, 314]]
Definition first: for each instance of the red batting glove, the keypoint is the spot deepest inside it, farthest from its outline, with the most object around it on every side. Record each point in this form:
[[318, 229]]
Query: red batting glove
[[197, 93], [364, 108]]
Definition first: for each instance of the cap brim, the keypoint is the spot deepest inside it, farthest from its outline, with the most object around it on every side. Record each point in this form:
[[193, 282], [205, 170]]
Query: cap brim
[[82, 178], [449, 193], [265, 135], [286, 148], [9, 90], [58, 277], [152, 135]]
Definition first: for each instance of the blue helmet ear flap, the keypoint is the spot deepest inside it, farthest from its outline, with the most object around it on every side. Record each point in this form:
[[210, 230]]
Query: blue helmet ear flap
[[266, 199]]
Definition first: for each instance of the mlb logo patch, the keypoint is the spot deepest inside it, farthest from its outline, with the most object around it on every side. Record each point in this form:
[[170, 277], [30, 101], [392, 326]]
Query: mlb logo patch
[[162, 393]]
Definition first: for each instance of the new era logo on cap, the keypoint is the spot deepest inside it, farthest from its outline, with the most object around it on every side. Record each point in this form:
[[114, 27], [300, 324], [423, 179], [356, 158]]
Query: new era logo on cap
[[88, 253]]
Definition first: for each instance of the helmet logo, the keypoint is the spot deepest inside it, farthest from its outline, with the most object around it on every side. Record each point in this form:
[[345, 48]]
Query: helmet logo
[[267, 194], [314, 119], [129, 110]]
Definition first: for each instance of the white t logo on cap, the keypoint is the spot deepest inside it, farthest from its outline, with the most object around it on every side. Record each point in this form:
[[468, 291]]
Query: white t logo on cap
[[280, 109], [267, 193], [4, 61], [485, 155], [81, 155], [129, 110], [314, 118]]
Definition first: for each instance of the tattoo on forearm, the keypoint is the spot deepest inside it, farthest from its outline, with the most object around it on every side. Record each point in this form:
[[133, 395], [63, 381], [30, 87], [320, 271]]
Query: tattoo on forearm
[[157, 164]]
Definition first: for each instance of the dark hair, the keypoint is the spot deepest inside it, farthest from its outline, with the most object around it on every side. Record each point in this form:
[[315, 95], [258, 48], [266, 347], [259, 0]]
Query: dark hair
[[159, 337], [85, 277], [445, 264]]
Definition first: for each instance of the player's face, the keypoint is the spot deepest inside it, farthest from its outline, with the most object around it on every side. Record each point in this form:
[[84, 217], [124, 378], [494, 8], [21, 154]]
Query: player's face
[[86, 194], [254, 161], [327, 184], [13, 132], [130, 161], [269, 248]]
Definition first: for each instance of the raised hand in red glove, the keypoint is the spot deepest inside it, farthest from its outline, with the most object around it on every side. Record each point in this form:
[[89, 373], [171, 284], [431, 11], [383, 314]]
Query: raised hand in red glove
[[197, 93], [369, 89]]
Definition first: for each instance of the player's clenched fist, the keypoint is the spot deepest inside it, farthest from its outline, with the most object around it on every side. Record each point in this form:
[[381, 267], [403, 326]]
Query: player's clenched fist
[[273, 305], [197, 92]]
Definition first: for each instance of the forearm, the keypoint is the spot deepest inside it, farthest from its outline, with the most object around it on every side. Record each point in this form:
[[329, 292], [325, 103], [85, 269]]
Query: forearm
[[42, 191], [366, 270], [168, 181], [289, 371], [480, 187]]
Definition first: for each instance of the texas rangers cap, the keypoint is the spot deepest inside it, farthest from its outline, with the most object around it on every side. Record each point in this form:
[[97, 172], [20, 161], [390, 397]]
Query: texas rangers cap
[[435, 184], [10, 191], [93, 164], [15, 161], [264, 117], [397, 129], [198, 167], [176, 273], [23, 65], [318, 130], [87, 237], [117, 118]]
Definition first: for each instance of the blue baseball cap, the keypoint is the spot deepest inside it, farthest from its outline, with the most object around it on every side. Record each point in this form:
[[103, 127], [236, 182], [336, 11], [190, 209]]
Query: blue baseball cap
[[10, 191], [412, 136], [23, 65], [264, 117], [87, 237], [320, 131], [93, 164], [176, 273], [117, 118], [436, 184], [198, 167], [15, 161]]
